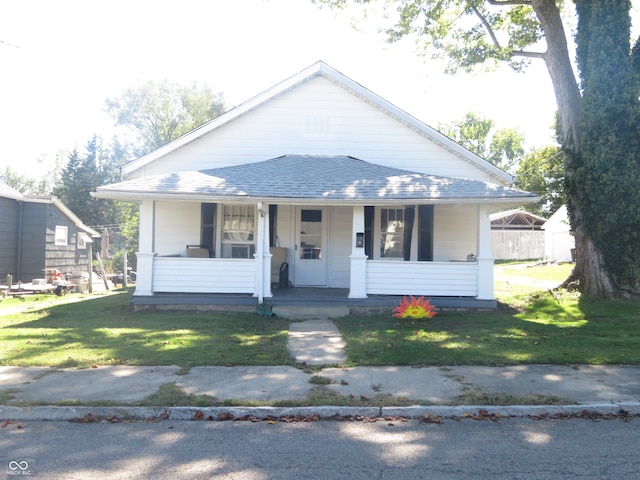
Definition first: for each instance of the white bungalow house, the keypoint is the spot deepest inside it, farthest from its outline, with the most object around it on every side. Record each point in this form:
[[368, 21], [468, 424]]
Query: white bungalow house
[[354, 199]]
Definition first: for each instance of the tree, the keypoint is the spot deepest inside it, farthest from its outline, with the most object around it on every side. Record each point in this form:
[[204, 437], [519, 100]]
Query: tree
[[32, 186], [504, 148], [541, 171], [161, 112], [80, 176], [598, 124]]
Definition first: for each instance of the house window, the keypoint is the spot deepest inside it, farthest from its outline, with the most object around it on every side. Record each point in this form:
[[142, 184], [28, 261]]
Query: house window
[[238, 231], [403, 233], [82, 241], [392, 225], [61, 235]]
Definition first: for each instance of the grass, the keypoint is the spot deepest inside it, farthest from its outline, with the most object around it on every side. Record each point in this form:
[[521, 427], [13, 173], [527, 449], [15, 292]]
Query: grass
[[531, 326], [551, 329], [104, 330]]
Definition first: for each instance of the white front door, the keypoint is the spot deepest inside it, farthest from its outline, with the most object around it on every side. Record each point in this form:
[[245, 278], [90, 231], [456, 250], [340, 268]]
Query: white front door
[[310, 267]]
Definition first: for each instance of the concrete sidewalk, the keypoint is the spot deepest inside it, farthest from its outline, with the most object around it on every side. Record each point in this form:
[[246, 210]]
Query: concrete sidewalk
[[34, 390], [600, 388]]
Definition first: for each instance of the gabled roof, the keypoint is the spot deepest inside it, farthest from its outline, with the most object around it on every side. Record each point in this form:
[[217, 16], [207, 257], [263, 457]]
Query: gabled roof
[[8, 192], [340, 179], [516, 219], [50, 199], [319, 69]]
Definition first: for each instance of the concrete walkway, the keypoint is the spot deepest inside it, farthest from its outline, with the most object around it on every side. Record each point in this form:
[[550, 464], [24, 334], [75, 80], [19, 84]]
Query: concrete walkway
[[316, 342], [33, 393]]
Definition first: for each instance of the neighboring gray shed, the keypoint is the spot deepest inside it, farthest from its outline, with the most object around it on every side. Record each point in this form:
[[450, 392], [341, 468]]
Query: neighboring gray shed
[[39, 233], [517, 235]]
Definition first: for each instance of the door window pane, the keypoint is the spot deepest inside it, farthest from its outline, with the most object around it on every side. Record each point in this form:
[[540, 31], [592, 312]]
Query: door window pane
[[311, 234]]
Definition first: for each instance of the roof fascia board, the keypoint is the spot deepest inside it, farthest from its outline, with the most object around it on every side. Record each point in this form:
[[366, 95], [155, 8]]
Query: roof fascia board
[[138, 197]]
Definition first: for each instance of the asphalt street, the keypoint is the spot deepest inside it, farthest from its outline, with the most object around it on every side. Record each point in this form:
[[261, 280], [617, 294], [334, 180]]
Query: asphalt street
[[506, 449]]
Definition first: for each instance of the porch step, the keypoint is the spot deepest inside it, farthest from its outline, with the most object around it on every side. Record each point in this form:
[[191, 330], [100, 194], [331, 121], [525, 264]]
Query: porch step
[[294, 312], [316, 342]]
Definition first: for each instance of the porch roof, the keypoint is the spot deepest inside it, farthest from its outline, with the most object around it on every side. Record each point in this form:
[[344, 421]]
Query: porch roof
[[295, 178]]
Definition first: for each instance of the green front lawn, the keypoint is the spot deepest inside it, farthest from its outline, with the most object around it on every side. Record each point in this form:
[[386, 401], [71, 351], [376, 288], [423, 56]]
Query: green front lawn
[[555, 330], [104, 330], [528, 327]]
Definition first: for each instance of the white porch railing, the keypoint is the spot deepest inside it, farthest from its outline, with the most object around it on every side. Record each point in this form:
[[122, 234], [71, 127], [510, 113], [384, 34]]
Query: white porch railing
[[422, 278], [203, 275]]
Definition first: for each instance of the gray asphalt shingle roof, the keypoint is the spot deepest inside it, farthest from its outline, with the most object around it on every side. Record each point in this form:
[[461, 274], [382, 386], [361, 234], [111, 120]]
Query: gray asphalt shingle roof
[[315, 177]]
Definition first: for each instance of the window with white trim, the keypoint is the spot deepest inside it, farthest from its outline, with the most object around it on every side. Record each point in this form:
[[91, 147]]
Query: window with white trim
[[82, 241], [399, 233], [61, 235], [392, 225], [238, 231]]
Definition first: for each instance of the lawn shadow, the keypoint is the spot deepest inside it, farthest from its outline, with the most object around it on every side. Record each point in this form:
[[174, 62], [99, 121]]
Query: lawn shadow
[[107, 331]]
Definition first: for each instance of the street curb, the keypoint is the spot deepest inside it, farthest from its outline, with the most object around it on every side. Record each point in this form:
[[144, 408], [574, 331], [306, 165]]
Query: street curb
[[52, 413]]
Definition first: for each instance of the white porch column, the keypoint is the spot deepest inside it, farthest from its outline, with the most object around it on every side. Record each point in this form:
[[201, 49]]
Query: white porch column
[[145, 254], [358, 279], [263, 255], [484, 256]]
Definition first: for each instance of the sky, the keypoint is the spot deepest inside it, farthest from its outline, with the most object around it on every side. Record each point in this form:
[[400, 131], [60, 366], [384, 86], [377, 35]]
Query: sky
[[60, 60]]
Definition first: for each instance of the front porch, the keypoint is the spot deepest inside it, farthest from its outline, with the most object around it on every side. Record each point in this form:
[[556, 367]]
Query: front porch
[[297, 298]]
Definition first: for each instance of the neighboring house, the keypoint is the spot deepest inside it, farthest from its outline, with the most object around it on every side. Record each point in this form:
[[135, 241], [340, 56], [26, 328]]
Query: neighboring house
[[359, 197], [559, 244], [517, 235], [39, 233]]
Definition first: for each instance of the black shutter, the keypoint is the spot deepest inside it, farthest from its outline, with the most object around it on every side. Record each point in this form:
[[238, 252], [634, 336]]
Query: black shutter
[[273, 219], [409, 217], [369, 213], [208, 227], [425, 233]]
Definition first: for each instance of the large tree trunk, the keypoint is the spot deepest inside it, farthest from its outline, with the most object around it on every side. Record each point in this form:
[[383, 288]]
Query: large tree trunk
[[589, 270]]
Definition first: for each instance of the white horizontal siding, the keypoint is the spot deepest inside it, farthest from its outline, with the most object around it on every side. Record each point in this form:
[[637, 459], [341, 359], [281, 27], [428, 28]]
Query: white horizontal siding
[[422, 278], [317, 118], [203, 275], [177, 225], [455, 232]]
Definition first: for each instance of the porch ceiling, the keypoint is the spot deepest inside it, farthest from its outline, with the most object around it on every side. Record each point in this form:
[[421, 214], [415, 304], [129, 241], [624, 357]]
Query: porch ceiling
[[313, 178]]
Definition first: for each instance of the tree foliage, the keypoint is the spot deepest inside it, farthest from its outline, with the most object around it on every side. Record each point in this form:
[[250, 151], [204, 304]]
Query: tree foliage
[[504, 147], [158, 113], [27, 185], [597, 118], [81, 175], [84, 171], [541, 171]]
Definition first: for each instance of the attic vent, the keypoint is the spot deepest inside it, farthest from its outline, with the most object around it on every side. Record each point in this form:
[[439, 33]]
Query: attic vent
[[318, 124]]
